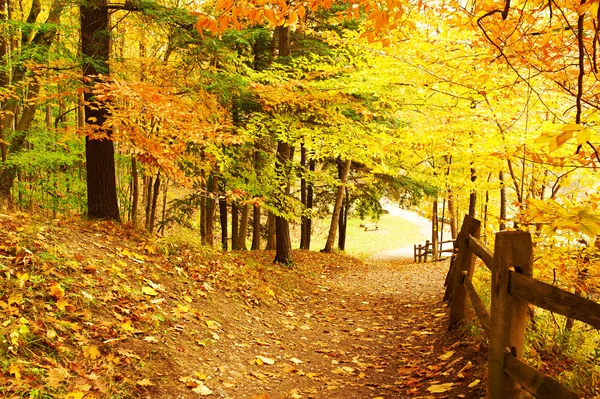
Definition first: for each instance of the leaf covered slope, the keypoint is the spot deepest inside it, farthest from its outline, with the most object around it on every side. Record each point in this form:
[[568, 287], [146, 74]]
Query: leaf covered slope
[[97, 311]]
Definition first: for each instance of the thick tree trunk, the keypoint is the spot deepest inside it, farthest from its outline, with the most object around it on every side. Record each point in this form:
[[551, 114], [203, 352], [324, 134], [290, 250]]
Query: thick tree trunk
[[255, 228], [243, 230], [271, 238], [337, 207], [100, 153], [282, 228]]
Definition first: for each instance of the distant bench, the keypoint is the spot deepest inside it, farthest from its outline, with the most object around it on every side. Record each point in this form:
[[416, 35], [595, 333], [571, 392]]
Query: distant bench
[[370, 226]]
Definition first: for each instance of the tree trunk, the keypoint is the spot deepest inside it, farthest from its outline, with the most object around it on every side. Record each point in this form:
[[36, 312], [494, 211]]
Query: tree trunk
[[255, 228], [502, 201], [135, 191], [282, 228], [434, 230], [155, 194], [337, 207], [343, 222], [213, 188], [235, 246], [243, 229], [100, 153], [271, 238], [473, 195], [223, 216], [312, 164], [161, 229], [303, 199], [148, 199]]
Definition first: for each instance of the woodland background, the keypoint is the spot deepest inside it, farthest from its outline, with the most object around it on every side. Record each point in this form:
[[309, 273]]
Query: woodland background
[[239, 119]]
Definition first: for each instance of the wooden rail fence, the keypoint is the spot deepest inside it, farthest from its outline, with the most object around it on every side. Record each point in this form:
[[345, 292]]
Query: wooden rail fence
[[512, 288], [421, 252]]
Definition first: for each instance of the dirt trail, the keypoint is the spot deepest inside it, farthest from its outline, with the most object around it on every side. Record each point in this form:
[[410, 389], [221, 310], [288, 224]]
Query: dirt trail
[[378, 332]]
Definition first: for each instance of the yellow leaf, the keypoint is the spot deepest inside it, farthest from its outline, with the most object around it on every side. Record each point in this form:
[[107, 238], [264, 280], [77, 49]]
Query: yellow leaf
[[127, 327], [446, 355], [144, 383], [15, 370], [75, 394], [149, 291], [213, 325], [571, 127], [474, 383], [583, 136], [260, 360], [441, 388], [62, 304], [56, 376], [91, 352], [57, 291]]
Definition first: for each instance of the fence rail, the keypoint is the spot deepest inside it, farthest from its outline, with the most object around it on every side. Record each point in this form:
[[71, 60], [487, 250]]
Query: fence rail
[[422, 252], [513, 288]]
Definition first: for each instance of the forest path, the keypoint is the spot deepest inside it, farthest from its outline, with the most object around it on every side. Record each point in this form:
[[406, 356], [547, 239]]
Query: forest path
[[374, 332]]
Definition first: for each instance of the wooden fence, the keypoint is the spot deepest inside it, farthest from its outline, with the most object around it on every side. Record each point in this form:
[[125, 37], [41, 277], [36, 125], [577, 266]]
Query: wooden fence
[[422, 252], [512, 288]]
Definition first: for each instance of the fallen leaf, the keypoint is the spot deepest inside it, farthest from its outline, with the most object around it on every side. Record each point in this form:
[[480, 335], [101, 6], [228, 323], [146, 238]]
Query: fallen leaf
[[74, 395], [91, 352], [296, 361], [474, 383], [144, 383], [446, 355], [149, 291], [202, 390], [440, 388], [57, 291], [56, 376], [260, 360]]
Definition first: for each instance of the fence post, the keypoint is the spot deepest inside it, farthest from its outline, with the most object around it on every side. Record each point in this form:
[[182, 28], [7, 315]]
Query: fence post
[[426, 251], [415, 253], [464, 261], [513, 249]]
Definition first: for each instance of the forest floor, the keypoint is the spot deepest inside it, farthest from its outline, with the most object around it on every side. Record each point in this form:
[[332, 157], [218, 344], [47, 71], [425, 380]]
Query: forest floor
[[96, 310]]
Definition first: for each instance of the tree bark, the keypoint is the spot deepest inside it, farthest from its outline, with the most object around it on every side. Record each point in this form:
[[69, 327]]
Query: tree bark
[[271, 238], [148, 199], [223, 216], [243, 229], [282, 228], [255, 228], [337, 207], [502, 201], [135, 191], [473, 195], [343, 221], [303, 199], [213, 193], [100, 153], [235, 246], [155, 194]]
